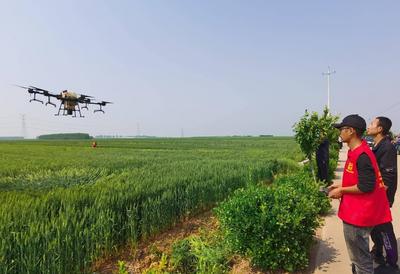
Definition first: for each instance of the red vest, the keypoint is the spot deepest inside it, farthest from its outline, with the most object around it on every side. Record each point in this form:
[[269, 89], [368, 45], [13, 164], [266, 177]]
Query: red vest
[[363, 209]]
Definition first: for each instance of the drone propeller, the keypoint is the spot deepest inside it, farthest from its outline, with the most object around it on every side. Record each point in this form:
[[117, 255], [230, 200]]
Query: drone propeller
[[22, 87], [105, 102], [86, 96], [40, 89], [83, 97]]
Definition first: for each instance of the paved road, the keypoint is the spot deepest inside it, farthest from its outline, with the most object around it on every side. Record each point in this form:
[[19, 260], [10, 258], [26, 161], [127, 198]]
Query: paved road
[[331, 255]]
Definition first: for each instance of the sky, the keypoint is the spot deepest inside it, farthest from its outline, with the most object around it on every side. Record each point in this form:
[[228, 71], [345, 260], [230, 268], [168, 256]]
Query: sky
[[197, 68]]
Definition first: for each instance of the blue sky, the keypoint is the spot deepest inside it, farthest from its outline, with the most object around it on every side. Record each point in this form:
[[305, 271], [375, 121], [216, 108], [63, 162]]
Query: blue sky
[[201, 67]]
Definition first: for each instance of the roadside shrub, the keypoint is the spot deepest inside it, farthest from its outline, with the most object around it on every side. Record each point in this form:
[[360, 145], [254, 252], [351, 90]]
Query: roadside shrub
[[273, 226], [122, 268], [211, 253], [311, 130], [305, 185], [333, 161], [160, 267], [182, 259], [202, 254]]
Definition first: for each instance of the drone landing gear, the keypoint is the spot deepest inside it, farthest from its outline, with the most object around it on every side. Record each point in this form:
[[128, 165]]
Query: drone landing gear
[[79, 110], [59, 109], [50, 103], [99, 110], [68, 111], [34, 99]]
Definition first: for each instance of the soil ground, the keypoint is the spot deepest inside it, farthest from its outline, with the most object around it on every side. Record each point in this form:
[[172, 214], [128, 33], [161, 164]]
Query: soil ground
[[147, 252]]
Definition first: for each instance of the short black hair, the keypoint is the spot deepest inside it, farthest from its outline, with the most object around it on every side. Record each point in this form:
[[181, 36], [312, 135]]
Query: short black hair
[[385, 123], [359, 132]]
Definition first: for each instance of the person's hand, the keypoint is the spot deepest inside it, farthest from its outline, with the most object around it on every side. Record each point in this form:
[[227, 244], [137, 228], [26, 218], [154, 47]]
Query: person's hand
[[333, 186], [335, 192]]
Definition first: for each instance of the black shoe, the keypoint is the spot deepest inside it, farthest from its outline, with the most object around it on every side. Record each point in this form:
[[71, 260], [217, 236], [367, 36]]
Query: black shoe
[[379, 259], [393, 269]]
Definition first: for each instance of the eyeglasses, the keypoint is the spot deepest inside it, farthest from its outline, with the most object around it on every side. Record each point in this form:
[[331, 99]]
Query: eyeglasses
[[342, 128]]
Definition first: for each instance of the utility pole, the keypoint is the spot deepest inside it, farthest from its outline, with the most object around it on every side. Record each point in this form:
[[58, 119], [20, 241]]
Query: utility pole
[[328, 75]]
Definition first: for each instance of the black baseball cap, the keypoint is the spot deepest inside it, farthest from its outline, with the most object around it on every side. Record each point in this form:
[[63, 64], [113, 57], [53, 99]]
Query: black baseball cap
[[354, 121]]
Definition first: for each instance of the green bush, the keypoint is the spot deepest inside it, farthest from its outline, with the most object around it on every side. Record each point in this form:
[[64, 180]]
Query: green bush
[[306, 186], [333, 161], [273, 226], [311, 130], [122, 268], [202, 254], [211, 253], [182, 259]]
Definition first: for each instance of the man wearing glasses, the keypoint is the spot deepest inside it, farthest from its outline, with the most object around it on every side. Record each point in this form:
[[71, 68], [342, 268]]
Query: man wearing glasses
[[363, 201]]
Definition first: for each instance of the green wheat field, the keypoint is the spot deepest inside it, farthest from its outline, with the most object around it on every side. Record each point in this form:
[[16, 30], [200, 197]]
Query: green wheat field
[[64, 204]]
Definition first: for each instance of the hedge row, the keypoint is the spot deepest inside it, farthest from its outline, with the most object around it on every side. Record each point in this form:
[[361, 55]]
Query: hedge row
[[274, 225]]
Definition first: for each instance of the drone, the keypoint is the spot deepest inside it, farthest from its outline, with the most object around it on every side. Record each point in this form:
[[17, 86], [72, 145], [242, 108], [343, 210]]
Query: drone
[[70, 101]]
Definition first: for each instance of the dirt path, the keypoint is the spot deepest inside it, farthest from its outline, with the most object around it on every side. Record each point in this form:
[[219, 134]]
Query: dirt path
[[331, 255], [147, 252]]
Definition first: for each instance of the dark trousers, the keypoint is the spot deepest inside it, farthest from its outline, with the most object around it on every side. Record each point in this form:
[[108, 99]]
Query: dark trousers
[[322, 157], [383, 237]]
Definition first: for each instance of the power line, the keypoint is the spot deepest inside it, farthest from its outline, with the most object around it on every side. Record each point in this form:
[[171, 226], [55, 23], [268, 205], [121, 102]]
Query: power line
[[391, 107]]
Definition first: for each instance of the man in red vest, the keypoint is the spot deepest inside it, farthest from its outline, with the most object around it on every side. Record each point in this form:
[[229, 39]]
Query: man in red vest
[[362, 194]]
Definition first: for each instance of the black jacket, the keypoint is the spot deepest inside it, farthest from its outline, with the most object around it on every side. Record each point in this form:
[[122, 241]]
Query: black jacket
[[386, 157]]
